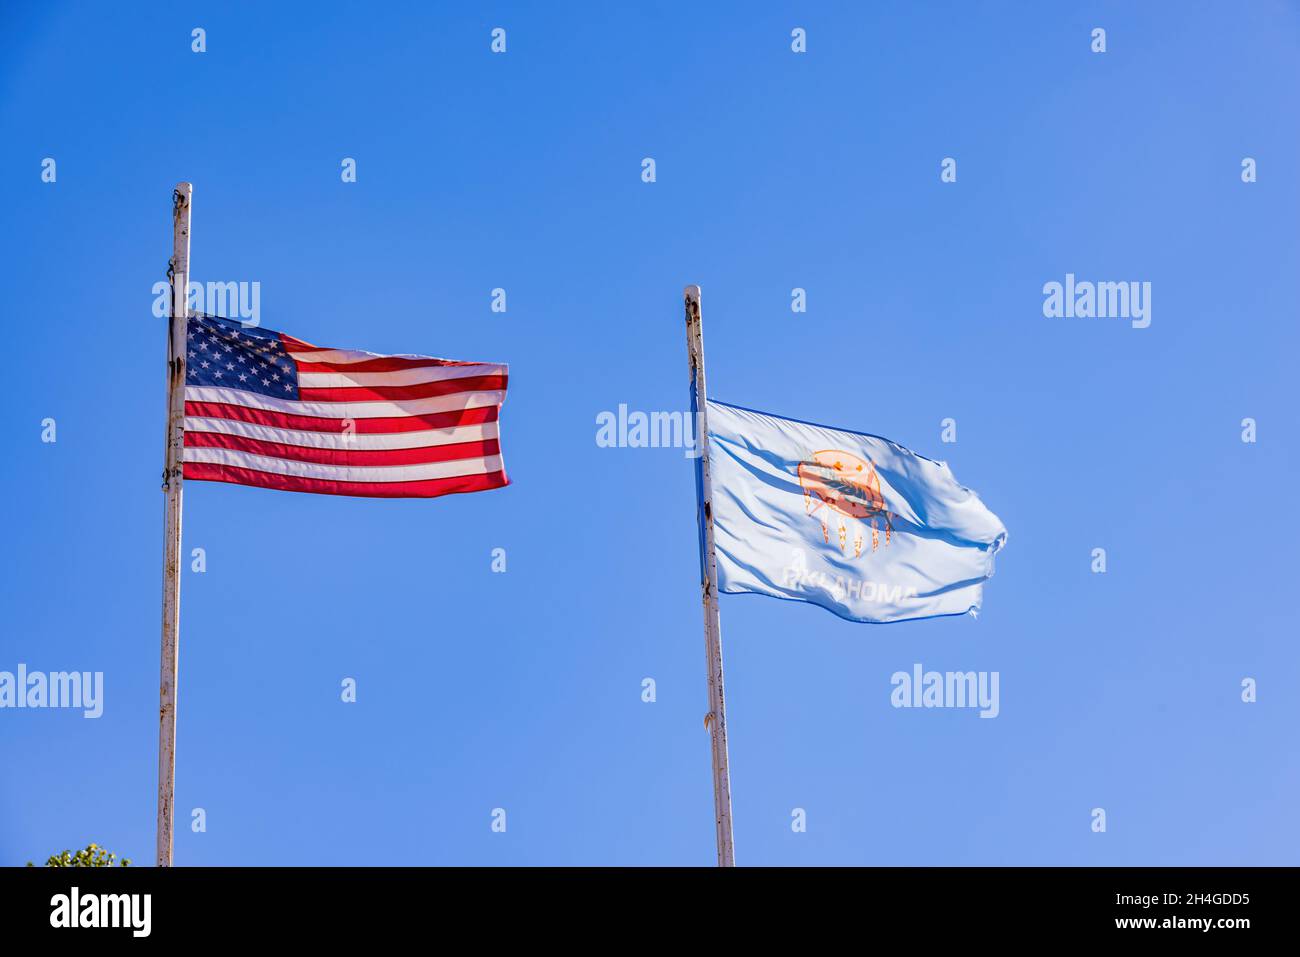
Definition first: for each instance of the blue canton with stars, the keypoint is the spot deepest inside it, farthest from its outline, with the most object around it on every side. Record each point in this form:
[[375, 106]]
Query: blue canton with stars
[[225, 354]]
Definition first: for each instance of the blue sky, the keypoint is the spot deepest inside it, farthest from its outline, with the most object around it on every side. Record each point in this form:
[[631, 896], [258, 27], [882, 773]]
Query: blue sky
[[775, 170]]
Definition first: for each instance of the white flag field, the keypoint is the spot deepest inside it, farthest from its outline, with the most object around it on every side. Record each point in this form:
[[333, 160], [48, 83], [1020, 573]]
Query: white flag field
[[852, 522]]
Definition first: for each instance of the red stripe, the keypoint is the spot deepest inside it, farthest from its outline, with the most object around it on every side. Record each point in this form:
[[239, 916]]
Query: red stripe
[[313, 423], [296, 345], [344, 456], [377, 364], [381, 364], [428, 488], [421, 390]]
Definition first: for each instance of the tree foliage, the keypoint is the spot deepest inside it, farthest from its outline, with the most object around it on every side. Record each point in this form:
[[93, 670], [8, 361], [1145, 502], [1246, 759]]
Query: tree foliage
[[92, 856]]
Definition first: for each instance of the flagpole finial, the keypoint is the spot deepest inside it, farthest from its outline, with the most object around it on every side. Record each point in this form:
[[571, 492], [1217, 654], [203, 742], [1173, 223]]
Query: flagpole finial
[[692, 292]]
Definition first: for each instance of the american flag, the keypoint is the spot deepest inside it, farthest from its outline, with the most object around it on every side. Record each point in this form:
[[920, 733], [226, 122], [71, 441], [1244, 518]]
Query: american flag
[[263, 408]]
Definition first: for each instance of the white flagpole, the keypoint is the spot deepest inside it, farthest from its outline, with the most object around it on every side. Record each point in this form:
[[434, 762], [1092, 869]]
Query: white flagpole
[[716, 719], [172, 482]]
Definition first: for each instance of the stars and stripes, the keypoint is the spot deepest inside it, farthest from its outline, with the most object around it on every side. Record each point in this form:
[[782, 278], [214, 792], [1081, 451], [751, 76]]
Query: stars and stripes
[[263, 408]]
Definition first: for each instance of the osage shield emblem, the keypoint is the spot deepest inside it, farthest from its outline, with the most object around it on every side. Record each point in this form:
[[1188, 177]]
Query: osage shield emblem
[[844, 490]]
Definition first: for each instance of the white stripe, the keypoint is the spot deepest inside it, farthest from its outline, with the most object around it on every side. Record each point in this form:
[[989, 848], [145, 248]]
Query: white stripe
[[343, 473], [330, 380], [346, 410], [337, 440]]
